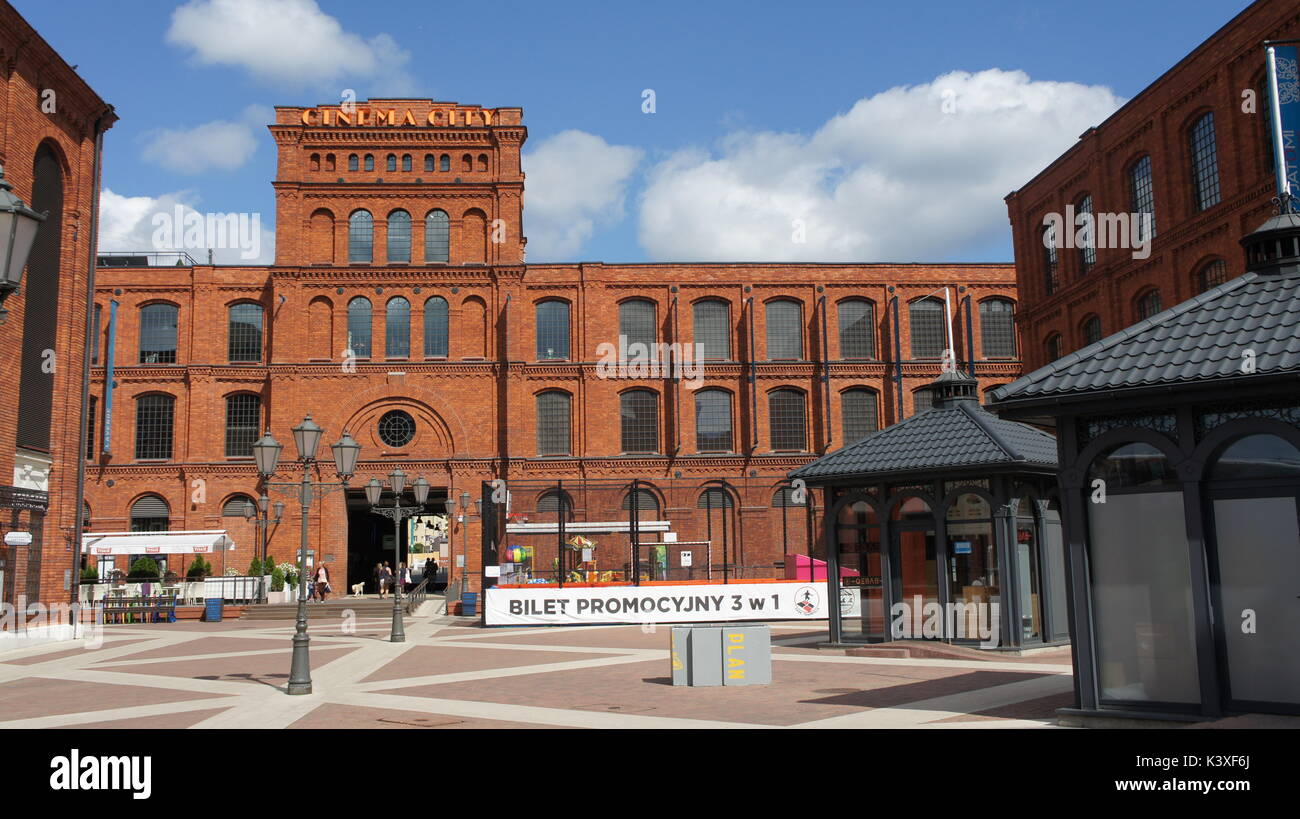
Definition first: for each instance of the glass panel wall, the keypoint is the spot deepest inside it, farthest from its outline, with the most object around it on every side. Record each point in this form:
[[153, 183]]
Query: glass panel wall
[[973, 567], [861, 573]]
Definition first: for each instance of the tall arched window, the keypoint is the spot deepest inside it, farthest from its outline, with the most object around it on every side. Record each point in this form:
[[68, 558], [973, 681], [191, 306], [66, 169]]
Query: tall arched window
[[41, 310], [713, 421], [860, 416], [243, 419], [552, 329], [1088, 249], [1142, 195], [158, 333], [713, 328], [359, 327], [1049, 239], [1211, 275], [435, 327], [354, 163], [927, 324], [1205, 162], [392, 163], [153, 426], [150, 513], [1148, 304], [482, 162], [244, 333], [96, 336], [922, 400], [636, 322], [1091, 330], [639, 421], [370, 162], [406, 162], [1053, 346], [998, 328], [467, 162], [314, 162], [788, 420], [329, 162], [428, 163], [553, 423], [397, 328], [361, 236], [399, 236], [784, 330], [444, 163], [437, 236], [857, 329]]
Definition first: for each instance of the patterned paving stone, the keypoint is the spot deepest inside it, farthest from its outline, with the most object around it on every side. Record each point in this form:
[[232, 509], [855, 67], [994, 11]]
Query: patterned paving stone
[[424, 660], [268, 669], [41, 696], [333, 715], [180, 719]]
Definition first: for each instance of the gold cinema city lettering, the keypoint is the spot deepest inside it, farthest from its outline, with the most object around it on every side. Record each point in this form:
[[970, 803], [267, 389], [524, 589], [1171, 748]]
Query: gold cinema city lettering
[[369, 117]]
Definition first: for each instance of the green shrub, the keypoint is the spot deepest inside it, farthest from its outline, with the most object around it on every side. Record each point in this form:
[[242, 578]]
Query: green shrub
[[143, 568], [277, 579], [257, 568], [199, 569], [90, 573]]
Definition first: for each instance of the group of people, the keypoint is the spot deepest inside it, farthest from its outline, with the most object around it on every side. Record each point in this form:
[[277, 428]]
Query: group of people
[[386, 579], [318, 584]]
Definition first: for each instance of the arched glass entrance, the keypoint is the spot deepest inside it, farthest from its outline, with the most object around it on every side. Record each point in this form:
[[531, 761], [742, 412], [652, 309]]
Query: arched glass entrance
[[862, 573]]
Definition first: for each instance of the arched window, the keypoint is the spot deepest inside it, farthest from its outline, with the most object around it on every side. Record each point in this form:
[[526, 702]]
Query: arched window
[[150, 513], [153, 426], [235, 505], [435, 327], [399, 236], [922, 400], [552, 330], [90, 427], [97, 333], [785, 497], [553, 422], [1091, 330], [437, 236], [715, 497], [713, 421], [636, 322], [370, 162], [1053, 346], [353, 162], [1148, 304], [857, 329], [1135, 465], [639, 421], [1049, 239], [329, 162], [927, 323], [713, 329], [158, 324], [784, 330], [998, 328], [858, 407], [1211, 275], [361, 236], [406, 162], [1205, 162], [392, 163], [314, 162], [1258, 456], [444, 163], [467, 162], [1087, 250], [788, 420], [359, 327], [1142, 195], [552, 501], [645, 501], [428, 163], [244, 333], [243, 418], [397, 328], [482, 162]]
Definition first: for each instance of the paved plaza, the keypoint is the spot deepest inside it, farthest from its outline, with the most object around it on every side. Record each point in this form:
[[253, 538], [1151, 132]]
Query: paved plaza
[[451, 674]]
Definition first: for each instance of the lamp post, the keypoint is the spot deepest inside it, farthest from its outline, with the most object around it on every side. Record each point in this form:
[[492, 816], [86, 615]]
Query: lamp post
[[18, 224], [263, 522], [396, 513], [266, 452]]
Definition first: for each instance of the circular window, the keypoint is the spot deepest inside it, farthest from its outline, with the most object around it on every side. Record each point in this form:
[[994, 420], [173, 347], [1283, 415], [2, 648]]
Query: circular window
[[396, 428]]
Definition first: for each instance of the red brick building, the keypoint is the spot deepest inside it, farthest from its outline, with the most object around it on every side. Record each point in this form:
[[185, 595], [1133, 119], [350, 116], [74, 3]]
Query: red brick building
[[1194, 150], [50, 149], [400, 308]]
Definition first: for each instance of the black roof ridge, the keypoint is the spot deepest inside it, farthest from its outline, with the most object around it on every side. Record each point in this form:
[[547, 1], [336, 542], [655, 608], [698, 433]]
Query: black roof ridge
[[1114, 339], [974, 412]]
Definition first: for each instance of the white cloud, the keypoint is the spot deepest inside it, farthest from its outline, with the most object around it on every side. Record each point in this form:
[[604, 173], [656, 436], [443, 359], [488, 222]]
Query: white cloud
[[912, 173], [289, 43], [576, 181], [220, 144], [148, 224]]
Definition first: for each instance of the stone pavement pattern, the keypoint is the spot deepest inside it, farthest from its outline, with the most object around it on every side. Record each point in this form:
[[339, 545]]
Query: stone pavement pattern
[[451, 675]]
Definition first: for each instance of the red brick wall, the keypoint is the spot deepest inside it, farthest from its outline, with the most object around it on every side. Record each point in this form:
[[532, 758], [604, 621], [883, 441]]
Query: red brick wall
[[1210, 79]]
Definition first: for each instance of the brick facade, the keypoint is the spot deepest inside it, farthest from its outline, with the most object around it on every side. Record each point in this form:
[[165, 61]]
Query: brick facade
[[1189, 241], [475, 407], [49, 127]]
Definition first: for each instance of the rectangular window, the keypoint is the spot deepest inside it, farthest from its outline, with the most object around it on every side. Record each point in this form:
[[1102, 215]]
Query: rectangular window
[[153, 427], [553, 330], [712, 329], [1205, 163], [857, 331], [245, 342], [784, 331]]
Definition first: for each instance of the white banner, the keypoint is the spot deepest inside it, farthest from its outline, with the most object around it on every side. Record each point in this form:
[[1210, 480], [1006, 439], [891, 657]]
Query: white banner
[[657, 604]]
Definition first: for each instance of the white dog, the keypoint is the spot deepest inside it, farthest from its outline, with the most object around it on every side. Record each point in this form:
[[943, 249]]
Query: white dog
[[358, 589]]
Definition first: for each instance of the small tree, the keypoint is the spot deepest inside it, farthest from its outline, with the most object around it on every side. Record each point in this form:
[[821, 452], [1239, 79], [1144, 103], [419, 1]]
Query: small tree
[[199, 569], [90, 573], [277, 579], [143, 568], [255, 568]]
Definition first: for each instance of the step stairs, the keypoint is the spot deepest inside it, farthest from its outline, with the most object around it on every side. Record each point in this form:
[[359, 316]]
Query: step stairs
[[335, 609]]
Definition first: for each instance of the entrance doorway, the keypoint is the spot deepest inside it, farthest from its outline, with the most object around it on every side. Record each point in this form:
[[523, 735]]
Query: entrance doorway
[[370, 536]]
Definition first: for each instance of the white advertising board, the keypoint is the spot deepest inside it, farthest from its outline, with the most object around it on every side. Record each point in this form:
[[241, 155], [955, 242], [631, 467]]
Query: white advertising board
[[698, 603]]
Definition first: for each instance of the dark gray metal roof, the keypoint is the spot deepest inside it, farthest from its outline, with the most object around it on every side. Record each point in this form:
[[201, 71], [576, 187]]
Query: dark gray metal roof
[[1206, 337], [958, 433]]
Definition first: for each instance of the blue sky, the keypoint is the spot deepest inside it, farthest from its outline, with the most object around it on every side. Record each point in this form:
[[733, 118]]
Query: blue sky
[[766, 113]]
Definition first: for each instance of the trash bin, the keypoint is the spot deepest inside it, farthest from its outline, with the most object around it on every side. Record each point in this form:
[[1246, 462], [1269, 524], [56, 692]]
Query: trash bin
[[721, 654], [212, 609], [469, 604]]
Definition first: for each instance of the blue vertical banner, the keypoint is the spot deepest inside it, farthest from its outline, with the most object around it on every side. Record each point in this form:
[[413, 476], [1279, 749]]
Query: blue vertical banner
[[107, 436], [1284, 90]]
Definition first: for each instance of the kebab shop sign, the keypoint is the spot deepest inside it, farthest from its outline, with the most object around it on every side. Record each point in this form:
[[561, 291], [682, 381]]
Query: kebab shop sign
[[655, 604]]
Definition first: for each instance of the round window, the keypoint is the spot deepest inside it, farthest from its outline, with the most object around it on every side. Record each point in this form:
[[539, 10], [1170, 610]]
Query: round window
[[396, 428]]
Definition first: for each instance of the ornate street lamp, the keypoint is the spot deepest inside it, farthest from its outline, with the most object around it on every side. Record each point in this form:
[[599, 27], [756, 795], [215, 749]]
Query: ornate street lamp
[[18, 225], [266, 452], [396, 513]]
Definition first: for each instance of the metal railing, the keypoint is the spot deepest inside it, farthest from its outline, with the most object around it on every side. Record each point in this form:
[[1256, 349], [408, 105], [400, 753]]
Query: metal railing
[[415, 597], [232, 589]]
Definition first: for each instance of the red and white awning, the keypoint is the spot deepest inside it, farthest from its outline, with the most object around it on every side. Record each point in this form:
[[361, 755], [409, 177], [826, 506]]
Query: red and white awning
[[155, 543]]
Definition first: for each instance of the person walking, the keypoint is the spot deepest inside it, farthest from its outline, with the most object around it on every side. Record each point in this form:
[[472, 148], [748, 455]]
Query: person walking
[[428, 573], [379, 579], [404, 573], [386, 579], [323, 583]]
